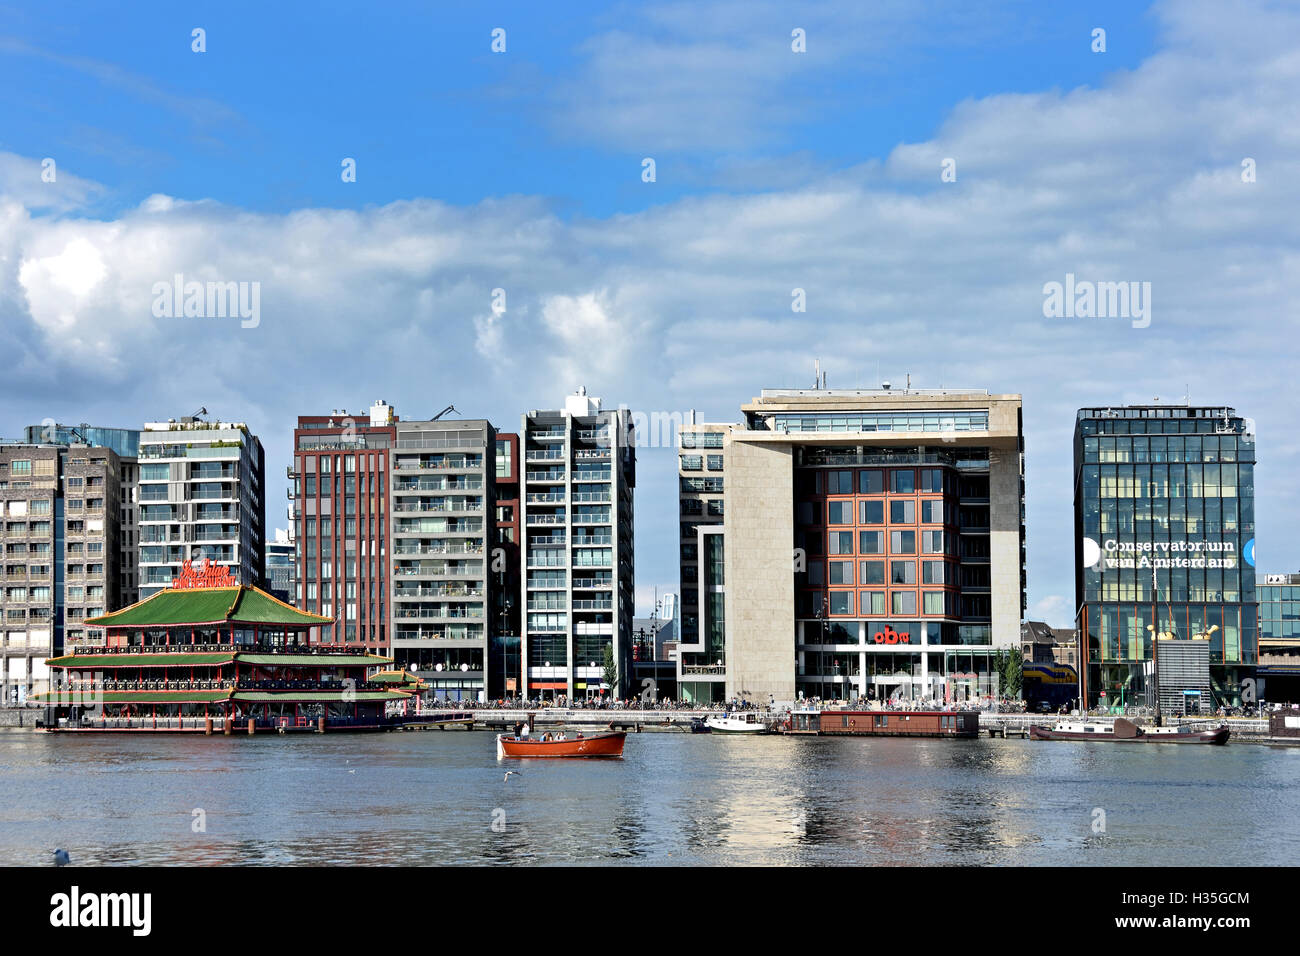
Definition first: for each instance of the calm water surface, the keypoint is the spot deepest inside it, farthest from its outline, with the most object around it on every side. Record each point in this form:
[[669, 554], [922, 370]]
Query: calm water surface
[[432, 798]]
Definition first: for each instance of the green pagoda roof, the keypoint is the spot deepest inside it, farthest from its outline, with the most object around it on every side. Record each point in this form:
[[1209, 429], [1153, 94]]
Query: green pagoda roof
[[109, 661], [207, 606], [310, 660], [316, 696], [90, 698]]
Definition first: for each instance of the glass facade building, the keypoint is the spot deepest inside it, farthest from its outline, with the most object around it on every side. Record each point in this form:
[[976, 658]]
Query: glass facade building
[[1278, 673], [1168, 490]]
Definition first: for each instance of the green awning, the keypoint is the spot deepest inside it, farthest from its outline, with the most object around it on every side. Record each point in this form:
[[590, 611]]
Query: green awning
[[109, 661], [207, 606], [90, 698], [314, 660], [316, 696]]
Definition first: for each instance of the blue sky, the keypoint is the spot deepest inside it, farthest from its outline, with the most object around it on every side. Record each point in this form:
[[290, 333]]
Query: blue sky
[[775, 170]]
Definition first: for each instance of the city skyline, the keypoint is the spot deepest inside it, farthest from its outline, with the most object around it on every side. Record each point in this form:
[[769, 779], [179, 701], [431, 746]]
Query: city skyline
[[675, 294]]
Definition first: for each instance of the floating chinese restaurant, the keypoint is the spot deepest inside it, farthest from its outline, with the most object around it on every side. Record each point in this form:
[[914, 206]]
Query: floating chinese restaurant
[[220, 659]]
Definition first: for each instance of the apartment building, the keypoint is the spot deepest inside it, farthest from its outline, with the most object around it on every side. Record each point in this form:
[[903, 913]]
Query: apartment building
[[578, 564]]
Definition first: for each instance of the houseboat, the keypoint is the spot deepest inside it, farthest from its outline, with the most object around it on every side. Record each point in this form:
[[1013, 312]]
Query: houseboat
[[219, 659], [884, 723]]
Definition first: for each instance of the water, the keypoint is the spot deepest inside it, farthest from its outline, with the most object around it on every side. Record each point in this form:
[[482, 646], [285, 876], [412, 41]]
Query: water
[[433, 797]]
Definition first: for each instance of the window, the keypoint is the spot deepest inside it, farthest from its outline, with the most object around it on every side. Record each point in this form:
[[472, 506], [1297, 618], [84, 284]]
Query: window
[[871, 602], [839, 482], [903, 602], [873, 512], [839, 542], [902, 572], [902, 512], [932, 572], [841, 602], [871, 482], [714, 462], [933, 602], [692, 462], [903, 482], [839, 512], [841, 572], [931, 479], [873, 572], [20, 467], [932, 511], [902, 542], [871, 542], [931, 542]]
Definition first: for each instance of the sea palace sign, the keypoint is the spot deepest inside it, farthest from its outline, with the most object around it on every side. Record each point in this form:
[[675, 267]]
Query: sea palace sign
[[208, 576]]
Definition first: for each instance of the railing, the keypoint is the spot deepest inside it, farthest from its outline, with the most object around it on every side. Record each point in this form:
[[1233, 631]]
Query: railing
[[591, 496], [544, 476], [422, 485], [447, 614], [437, 592]]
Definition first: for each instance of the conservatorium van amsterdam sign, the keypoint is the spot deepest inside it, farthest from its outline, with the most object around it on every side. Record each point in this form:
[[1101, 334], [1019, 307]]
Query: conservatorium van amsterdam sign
[[208, 576], [1168, 554]]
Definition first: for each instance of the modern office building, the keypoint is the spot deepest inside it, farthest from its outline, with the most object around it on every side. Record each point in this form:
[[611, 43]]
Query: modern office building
[[59, 528], [202, 496], [442, 529], [339, 519], [1167, 489], [279, 567], [701, 632], [125, 443], [1278, 672], [871, 544], [577, 509]]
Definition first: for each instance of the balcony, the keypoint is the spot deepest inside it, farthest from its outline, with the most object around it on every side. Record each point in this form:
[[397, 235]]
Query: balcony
[[545, 520], [545, 454]]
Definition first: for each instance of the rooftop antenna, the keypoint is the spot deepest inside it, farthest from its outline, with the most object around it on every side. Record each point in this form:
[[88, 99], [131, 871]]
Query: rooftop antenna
[[817, 373]]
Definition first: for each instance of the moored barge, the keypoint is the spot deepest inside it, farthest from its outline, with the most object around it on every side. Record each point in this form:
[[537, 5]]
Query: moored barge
[[885, 723]]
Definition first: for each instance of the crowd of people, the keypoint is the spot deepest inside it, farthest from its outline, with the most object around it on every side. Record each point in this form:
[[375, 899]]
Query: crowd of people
[[736, 704]]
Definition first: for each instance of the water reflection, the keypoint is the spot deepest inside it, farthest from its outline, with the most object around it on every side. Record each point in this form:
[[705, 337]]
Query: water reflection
[[676, 798]]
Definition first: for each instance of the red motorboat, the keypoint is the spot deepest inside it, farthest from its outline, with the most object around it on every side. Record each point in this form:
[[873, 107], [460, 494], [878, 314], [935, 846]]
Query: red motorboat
[[562, 745]]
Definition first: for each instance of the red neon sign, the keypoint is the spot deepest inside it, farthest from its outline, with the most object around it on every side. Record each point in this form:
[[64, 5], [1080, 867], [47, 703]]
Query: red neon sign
[[208, 576], [891, 636]]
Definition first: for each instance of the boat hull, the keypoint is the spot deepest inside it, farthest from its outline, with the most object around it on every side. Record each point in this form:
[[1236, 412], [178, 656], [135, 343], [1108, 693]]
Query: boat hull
[[593, 745], [1218, 736]]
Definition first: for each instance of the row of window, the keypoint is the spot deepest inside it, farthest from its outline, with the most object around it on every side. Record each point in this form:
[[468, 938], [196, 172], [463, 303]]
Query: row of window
[[841, 603], [872, 511], [874, 572], [873, 542], [873, 481]]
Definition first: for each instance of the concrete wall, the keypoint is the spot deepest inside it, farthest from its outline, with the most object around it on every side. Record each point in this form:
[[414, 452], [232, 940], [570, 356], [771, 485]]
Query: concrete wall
[[1004, 544], [759, 606]]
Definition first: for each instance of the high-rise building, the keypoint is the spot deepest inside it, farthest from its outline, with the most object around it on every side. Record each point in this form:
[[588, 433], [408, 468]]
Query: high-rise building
[[202, 496], [340, 505], [505, 673], [701, 632], [442, 530], [578, 587], [1169, 490], [125, 443], [843, 543], [279, 566], [1278, 672], [59, 528]]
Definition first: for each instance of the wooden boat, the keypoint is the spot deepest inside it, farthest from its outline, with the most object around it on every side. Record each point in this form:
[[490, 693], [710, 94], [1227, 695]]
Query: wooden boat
[[576, 745], [1125, 731]]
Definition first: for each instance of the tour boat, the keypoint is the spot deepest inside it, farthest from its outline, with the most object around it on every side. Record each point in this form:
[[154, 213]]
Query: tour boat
[[1125, 731], [576, 745], [736, 724]]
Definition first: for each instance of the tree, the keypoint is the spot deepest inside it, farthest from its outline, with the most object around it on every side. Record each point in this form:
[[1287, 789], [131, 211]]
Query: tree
[[1008, 665], [611, 670]]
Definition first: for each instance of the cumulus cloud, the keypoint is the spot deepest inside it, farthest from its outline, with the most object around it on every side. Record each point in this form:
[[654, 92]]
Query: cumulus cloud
[[688, 304]]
